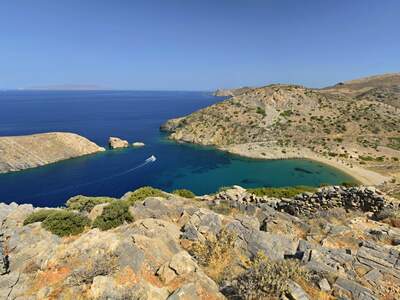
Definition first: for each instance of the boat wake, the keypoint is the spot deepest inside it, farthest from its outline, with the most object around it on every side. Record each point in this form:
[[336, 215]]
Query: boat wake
[[149, 160]]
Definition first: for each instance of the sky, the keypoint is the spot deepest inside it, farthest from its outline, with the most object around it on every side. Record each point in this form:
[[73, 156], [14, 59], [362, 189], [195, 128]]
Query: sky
[[195, 44]]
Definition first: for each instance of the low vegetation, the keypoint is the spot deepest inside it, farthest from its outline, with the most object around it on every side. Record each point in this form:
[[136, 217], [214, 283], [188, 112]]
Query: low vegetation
[[216, 253], [394, 143], [114, 215], [86, 204], [38, 216], [144, 192], [285, 192], [99, 267], [265, 278], [65, 223], [184, 193]]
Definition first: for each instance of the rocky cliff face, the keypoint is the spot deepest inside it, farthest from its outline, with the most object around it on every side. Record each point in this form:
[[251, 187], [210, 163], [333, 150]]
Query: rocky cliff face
[[210, 248], [23, 152]]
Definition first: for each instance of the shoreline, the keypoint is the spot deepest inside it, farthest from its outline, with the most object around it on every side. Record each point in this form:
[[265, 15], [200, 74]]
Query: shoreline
[[364, 176]]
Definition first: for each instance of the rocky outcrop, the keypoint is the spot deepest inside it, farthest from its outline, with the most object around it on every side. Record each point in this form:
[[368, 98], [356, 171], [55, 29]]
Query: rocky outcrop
[[29, 151], [231, 92], [348, 254], [115, 143], [138, 144]]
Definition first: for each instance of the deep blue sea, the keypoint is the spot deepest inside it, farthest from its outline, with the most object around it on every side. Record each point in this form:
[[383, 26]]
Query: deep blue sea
[[135, 116]]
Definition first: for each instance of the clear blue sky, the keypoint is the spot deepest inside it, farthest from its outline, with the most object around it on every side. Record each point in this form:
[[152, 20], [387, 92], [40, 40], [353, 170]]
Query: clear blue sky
[[195, 44]]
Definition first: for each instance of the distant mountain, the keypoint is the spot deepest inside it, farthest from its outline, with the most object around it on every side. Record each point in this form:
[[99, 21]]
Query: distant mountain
[[68, 87]]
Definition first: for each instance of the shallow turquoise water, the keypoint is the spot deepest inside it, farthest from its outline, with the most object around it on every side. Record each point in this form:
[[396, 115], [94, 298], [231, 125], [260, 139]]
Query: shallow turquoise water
[[135, 116]]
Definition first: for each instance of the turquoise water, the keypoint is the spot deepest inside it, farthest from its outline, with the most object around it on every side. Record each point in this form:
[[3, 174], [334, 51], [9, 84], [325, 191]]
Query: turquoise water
[[135, 116]]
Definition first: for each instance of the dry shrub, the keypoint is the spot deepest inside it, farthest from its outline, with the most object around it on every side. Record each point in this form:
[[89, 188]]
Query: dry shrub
[[313, 291], [102, 266], [216, 254], [395, 222], [390, 216], [223, 208], [265, 278]]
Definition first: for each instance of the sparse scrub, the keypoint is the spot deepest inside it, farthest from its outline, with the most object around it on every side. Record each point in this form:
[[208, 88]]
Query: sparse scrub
[[99, 267], [265, 279], [114, 215], [38, 216], [86, 204], [184, 193], [285, 192], [216, 253], [143, 193], [65, 223], [260, 111]]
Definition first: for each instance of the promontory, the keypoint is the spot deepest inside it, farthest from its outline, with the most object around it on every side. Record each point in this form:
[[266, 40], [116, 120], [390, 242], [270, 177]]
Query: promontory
[[352, 125], [29, 151]]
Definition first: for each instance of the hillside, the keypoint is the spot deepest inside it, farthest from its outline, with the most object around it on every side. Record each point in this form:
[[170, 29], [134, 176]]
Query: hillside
[[330, 243], [29, 151], [339, 126], [382, 88]]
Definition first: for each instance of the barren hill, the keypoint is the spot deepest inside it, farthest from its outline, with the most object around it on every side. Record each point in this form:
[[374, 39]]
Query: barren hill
[[23, 152], [338, 125]]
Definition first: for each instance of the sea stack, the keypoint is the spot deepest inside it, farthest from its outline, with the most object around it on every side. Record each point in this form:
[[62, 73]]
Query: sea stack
[[115, 143]]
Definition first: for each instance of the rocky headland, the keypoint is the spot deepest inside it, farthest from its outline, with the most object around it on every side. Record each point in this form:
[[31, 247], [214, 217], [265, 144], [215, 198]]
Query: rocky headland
[[353, 126], [329, 243], [29, 151]]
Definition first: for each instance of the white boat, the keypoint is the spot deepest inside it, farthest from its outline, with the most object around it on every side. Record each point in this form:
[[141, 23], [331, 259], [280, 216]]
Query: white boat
[[151, 159]]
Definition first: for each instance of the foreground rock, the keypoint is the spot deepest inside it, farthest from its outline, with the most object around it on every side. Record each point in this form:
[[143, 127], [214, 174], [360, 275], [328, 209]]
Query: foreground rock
[[29, 151], [116, 143], [178, 248]]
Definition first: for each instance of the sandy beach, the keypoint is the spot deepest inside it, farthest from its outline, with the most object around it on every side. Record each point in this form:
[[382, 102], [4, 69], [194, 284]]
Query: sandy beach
[[264, 151]]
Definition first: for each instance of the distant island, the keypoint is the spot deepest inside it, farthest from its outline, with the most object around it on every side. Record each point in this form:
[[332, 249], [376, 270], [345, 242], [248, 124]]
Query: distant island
[[66, 87]]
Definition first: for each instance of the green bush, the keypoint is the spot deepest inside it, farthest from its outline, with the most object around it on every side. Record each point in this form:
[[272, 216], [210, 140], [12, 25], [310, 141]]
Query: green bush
[[38, 216], [143, 193], [65, 223], [113, 215], [86, 204], [260, 111], [184, 193], [285, 192], [265, 278], [349, 184]]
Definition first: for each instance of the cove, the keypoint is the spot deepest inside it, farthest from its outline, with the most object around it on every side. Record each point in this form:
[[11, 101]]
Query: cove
[[136, 116]]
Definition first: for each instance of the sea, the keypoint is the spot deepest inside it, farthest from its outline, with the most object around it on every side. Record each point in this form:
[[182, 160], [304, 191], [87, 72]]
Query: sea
[[134, 116]]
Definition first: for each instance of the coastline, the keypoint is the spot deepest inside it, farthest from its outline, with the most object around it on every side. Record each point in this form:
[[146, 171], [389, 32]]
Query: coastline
[[257, 151]]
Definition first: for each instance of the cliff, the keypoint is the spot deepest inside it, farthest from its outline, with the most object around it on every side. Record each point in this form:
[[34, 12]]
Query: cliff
[[334, 242], [24, 152]]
